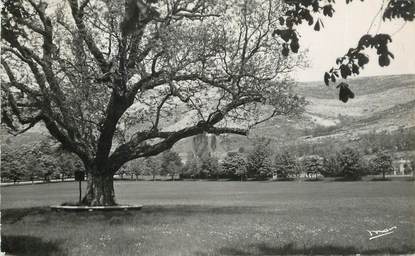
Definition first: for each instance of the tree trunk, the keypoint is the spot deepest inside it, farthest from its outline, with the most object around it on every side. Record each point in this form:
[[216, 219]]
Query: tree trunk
[[100, 190], [383, 174]]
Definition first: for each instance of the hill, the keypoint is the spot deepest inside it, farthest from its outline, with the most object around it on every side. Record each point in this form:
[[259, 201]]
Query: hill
[[382, 103]]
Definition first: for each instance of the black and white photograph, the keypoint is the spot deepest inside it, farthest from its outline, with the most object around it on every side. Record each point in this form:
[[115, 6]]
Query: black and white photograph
[[207, 127]]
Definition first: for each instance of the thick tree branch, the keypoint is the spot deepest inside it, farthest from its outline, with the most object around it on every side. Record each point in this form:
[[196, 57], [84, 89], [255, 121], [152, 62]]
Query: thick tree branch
[[137, 146], [77, 14], [131, 150]]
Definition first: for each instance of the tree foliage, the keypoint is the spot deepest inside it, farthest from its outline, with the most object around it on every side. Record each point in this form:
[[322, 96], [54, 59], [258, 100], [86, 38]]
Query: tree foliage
[[313, 165], [171, 163], [192, 169], [210, 167], [202, 168], [42, 160], [350, 163], [351, 63], [152, 166], [234, 165], [331, 166], [12, 166], [132, 168], [285, 165], [259, 163], [382, 163]]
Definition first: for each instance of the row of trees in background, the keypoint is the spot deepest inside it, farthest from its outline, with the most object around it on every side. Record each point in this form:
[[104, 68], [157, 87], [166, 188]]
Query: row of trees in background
[[168, 163], [347, 163], [43, 161], [39, 161], [262, 163]]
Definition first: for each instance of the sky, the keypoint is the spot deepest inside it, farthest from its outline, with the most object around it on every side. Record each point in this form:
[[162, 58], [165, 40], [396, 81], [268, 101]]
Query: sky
[[344, 30]]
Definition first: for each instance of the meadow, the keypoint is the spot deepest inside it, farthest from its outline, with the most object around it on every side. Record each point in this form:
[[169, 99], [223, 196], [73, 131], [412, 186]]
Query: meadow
[[214, 218]]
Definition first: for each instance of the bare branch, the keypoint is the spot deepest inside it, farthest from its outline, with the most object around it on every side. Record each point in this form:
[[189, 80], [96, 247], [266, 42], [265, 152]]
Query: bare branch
[[20, 86], [77, 14]]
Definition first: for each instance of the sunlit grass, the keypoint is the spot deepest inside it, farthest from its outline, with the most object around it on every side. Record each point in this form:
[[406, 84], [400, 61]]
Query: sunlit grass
[[230, 218]]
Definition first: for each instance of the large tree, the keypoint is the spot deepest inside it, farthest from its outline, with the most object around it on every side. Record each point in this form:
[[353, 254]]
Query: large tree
[[105, 77], [102, 76]]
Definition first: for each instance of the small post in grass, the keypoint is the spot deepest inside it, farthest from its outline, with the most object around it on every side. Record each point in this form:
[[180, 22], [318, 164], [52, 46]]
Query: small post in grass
[[79, 176]]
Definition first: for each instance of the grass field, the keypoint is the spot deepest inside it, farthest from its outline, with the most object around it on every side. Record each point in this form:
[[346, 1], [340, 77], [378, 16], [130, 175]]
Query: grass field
[[214, 218]]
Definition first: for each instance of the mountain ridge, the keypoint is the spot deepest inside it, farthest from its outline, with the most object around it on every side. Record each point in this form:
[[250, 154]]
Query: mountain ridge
[[381, 103]]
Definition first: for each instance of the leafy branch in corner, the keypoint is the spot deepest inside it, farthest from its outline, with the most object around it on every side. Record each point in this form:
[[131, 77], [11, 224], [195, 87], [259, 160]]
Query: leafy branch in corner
[[309, 11]]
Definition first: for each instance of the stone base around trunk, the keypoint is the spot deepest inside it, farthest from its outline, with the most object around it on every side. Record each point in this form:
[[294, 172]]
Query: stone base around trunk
[[95, 208]]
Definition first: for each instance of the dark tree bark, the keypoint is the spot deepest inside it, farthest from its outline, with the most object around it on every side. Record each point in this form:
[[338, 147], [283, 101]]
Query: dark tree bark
[[100, 189]]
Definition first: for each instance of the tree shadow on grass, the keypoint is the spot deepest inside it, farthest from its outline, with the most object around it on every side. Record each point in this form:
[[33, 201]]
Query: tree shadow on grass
[[29, 245], [186, 210], [16, 214], [158, 213], [380, 179], [348, 179], [291, 249], [313, 180]]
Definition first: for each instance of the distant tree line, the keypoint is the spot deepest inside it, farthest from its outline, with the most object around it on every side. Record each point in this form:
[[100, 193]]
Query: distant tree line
[[262, 163], [40, 161], [44, 162]]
